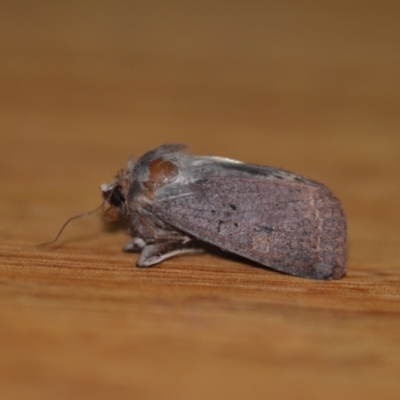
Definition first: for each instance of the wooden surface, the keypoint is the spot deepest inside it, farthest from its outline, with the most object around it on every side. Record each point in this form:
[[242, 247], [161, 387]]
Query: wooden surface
[[312, 87]]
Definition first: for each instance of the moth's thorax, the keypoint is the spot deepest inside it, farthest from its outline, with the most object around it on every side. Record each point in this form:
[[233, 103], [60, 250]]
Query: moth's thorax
[[160, 172]]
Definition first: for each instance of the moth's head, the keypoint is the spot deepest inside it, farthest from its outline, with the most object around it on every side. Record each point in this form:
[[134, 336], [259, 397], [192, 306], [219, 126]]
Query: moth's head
[[115, 195], [114, 200]]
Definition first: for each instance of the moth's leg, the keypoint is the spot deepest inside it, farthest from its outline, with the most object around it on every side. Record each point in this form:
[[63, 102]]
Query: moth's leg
[[156, 252], [135, 245]]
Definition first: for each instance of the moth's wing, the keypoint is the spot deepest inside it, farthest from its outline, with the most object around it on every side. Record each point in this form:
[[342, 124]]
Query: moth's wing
[[291, 226]]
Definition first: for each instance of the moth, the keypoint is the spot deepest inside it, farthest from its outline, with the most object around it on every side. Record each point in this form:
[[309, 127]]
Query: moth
[[172, 202]]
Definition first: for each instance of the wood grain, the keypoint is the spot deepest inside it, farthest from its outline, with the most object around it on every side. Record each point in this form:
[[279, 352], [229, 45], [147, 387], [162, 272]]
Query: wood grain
[[311, 87]]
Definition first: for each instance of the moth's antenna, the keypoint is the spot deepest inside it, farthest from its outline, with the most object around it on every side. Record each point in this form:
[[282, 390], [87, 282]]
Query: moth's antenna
[[69, 220]]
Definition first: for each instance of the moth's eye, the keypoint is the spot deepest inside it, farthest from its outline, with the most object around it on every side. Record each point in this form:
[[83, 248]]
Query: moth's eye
[[116, 198]]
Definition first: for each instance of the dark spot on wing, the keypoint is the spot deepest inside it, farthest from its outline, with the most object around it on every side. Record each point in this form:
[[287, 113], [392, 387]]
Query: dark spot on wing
[[203, 181], [264, 228]]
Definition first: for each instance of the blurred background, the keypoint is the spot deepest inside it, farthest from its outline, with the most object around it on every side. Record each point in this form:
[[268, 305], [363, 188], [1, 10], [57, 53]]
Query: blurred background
[[307, 86]]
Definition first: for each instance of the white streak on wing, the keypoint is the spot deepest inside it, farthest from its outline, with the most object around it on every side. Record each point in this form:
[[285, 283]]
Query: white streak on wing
[[210, 159]]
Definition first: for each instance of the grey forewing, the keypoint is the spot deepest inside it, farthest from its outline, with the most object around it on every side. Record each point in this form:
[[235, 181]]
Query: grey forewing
[[273, 222]]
